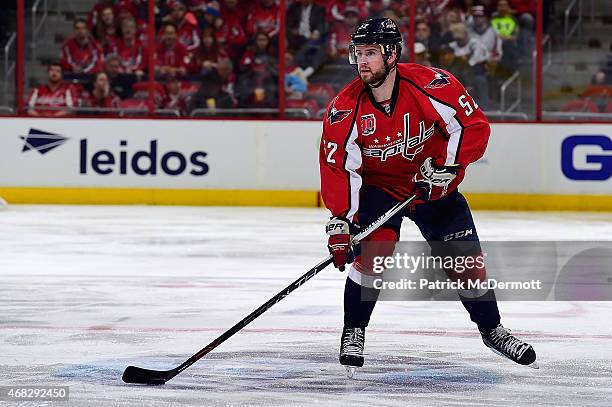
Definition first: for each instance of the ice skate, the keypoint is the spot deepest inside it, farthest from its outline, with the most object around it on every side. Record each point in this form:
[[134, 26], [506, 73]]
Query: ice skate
[[502, 342], [351, 349]]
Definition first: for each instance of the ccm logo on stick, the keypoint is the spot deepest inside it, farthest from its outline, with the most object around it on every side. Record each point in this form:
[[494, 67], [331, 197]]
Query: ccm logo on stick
[[602, 168]]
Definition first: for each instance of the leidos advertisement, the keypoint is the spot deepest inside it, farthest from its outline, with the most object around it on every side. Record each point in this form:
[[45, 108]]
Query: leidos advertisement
[[274, 155], [157, 154]]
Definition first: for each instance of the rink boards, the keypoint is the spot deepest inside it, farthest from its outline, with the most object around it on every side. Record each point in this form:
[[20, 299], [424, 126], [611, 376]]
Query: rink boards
[[275, 163]]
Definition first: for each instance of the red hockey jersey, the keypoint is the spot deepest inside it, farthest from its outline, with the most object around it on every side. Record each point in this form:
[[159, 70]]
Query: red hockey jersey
[[430, 115]]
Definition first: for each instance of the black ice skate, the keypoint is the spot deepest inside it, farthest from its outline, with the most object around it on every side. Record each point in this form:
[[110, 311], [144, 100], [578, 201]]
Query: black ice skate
[[351, 349], [502, 342]]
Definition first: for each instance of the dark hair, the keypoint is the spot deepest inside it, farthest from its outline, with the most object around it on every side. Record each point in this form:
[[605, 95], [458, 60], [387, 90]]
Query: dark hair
[[55, 63], [77, 21]]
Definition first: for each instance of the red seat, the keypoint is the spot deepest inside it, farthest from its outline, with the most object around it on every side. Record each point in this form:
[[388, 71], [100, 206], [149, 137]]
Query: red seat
[[597, 91], [608, 108], [580, 105]]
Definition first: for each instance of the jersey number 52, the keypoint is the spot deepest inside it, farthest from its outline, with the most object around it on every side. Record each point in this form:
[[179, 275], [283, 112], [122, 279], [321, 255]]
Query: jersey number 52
[[464, 103], [330, 149]]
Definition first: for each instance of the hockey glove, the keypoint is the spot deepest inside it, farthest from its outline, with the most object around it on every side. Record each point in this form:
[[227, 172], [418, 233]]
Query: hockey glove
[[339, 243], [438, 176]]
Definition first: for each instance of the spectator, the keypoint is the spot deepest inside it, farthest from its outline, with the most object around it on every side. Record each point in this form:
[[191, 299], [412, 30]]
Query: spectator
[[336, 10], [482, 30], [206, 58], [306, 33], [431, 41], [54, 94], [81, 55], [93, 16], [525, 10], [185, 23], [504, 22], [233, 13], [424, 11], [230, 36], [173, 98], [211, 95], [131, 51], [340, 37], [264, 17], [120, 83], [257, 84], [296, 82], [102, 95], [172, 56], [421, 56], [451, 16], [228, 77], [469, 63], [105, 30], [506, 26], [259, 57]]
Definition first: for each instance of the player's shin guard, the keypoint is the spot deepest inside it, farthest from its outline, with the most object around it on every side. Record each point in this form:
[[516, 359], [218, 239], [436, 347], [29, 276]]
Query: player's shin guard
[[359, 303]]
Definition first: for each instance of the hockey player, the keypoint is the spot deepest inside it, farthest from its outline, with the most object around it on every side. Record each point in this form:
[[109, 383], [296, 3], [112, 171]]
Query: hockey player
[[396, 130]]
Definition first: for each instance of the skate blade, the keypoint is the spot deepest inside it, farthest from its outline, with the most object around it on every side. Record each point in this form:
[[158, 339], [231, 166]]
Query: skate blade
[[350, 371], [534, 365]]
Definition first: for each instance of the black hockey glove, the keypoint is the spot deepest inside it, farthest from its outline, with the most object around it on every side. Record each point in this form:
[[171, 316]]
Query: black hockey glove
[[339, 231]]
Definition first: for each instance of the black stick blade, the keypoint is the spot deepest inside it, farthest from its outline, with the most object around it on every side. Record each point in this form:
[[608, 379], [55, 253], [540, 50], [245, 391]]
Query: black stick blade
[[133, 374]]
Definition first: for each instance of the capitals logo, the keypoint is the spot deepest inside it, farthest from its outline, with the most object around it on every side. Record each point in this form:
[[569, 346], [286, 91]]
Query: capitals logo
[[440, 81], [368, 124], [336, 116]]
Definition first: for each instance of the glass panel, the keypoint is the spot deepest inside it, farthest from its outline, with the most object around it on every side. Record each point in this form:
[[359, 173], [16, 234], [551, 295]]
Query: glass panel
[[8, 41], [316, 61], [577, 61], [71, 66], [234, 69], [489, 47]]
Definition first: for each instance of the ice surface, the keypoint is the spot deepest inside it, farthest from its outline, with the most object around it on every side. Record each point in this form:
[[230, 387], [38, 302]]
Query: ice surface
[[86, 291]]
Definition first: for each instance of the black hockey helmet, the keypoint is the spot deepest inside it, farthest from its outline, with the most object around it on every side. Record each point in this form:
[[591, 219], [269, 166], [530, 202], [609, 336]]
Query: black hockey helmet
[[380, 31]]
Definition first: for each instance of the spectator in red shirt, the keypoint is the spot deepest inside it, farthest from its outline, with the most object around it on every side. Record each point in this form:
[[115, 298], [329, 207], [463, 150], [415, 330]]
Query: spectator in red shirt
[[172, 56], [230, 36], [234, 13], [101, 95], [206, 58], [94, 15], [258, 82], [54, 94], [173, 98], [186, 25], [340, 37], [130, 49], [105, 31], [81, 54], [335, 10], [264, 18]]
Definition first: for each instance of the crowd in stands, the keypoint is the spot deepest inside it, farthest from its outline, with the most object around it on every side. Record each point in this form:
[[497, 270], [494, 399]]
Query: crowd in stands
[[224, 53]]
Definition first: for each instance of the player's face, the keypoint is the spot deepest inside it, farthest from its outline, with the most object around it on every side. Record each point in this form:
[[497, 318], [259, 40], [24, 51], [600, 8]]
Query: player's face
[[370, 63]]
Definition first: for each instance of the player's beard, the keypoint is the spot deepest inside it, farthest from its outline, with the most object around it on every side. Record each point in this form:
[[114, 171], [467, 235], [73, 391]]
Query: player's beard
[[374, 76]]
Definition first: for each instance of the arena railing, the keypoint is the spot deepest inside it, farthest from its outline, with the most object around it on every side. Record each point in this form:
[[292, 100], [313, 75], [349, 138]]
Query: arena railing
[[551, 115], [242, 112], [516, 77], [37, 25], [9, 66]]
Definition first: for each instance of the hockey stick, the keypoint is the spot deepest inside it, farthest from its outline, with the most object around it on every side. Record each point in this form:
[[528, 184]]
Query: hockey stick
[[133, 374]]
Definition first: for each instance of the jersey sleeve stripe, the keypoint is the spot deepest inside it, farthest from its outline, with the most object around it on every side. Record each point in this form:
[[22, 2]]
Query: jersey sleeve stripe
[[453, 128], [351, 165]]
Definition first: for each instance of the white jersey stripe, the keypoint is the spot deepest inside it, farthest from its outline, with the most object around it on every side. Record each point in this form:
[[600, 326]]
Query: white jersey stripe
[[353, 163], [453, 127]]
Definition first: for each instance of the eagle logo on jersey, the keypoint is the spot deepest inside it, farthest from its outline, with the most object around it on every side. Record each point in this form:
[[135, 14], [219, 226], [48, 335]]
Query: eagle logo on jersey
[[368, 124], [336, 116], [440, 81]]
